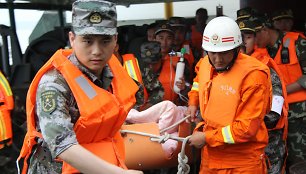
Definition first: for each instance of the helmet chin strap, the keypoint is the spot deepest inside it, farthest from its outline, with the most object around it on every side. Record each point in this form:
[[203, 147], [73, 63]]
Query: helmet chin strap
[[229, 65]]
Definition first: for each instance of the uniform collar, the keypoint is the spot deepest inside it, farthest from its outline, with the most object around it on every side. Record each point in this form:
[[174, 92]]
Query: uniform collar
[[274, 49], [106, 78]]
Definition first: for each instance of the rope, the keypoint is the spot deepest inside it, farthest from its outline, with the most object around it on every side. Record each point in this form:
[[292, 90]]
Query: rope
[[175, 124], [183, 167], [156, 138]]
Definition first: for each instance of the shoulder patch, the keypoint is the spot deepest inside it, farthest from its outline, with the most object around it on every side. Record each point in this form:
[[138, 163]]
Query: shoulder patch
[[48, 101]]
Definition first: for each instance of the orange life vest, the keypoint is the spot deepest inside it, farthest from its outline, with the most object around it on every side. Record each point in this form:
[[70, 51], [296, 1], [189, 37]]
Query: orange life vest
[[263, 55], [220, 100], [167, 76], [101, 113], [196, 38], [131, 65], [291, 71], [7, 104]]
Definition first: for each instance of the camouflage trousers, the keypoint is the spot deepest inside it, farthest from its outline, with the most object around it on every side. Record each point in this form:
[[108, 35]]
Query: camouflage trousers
[[296, 140], [276, 151]]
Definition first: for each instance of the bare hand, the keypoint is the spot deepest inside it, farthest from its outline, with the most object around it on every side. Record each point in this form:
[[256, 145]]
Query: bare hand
[[192, 110], [197, 139]]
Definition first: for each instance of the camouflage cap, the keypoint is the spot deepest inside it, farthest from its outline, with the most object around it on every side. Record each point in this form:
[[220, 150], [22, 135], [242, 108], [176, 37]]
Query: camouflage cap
[[94, 17], [177, 21], [262, 20], [281, 14], [150, 52], [246, 26], [164, 27], [246, 13], [254, 24]]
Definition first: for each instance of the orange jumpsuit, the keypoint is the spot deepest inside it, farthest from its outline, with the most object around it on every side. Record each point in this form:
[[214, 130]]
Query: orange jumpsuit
[[167, 76], [196, 38], [233, 105]]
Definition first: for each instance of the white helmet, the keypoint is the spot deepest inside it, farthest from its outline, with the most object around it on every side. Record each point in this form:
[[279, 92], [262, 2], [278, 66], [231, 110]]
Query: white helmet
[[221, 34]]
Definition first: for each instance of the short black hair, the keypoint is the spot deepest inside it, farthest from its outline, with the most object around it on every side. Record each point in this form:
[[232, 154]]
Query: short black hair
[[201, 10]]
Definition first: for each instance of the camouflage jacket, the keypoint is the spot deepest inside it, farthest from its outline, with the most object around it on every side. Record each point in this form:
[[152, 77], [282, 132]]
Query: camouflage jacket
[[57, 128], [153, 86], [272, 118], [300, 46], [296, 110]]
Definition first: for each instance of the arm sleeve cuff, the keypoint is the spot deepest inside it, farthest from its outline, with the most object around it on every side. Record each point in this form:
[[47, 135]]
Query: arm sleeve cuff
[[213, 138]]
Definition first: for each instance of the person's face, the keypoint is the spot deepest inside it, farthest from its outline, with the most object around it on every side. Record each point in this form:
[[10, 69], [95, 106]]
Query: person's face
[[179, 36], [166, 40], [284, 24], [262, 38], [93, 51], [150, 34], [221, 59], [249, 42]]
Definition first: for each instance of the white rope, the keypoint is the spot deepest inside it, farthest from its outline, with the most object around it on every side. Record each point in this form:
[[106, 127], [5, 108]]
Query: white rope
[[156, 138], [183, 167], [175, 124]]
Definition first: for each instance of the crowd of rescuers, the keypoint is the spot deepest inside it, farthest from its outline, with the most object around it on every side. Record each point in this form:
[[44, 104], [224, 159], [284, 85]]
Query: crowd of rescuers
[[157, 66], [257, 56], [272, 40]]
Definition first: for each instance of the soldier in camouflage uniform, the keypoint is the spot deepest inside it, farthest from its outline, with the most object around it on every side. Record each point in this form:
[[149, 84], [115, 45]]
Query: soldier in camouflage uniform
[[151, 56], [276, 148], [283, 19], [297, 110], [93, 40]]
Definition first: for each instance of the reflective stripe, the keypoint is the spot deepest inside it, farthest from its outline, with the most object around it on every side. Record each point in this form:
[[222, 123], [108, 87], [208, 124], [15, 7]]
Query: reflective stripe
[[287, 42], [2, 128], [131, 70], [5, 85], [195, 86], [227, 135], [85, 86]]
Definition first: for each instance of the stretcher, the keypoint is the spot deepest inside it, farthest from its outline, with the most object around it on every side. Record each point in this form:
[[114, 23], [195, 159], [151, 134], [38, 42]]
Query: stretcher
[[144, 154]]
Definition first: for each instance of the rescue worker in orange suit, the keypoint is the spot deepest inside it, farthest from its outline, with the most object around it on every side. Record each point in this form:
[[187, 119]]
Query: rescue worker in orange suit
[[79, 100], [233, 91], [277, 119], [179, 28], [197, 29], [165, 36], [288, 51], [6, 134]]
